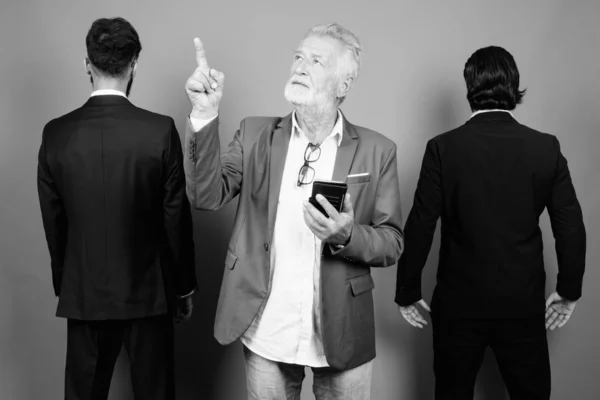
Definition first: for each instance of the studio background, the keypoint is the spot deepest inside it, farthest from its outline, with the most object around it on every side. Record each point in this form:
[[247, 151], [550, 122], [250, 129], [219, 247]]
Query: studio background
[[410, 89]]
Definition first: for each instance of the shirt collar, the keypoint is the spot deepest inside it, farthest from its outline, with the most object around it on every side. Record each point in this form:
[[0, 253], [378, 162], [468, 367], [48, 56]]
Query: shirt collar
[[108, 92], [337, 130], [494, 110]]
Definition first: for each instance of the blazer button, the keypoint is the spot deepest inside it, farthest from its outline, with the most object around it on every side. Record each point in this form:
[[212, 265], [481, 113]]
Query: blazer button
[[266, 246]]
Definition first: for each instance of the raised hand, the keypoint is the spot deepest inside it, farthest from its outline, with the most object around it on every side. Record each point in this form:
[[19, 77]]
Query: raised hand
[[558, 311], [205, 87]]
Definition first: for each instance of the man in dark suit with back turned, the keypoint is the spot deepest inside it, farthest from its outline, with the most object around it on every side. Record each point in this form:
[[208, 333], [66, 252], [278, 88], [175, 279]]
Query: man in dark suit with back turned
[[112, 193], [489, 180]]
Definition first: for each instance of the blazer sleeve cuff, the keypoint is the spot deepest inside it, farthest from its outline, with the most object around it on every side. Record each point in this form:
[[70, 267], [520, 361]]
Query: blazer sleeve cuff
[[354, 245], [569, 292], [57, 281], [406, 298], [197, 124]]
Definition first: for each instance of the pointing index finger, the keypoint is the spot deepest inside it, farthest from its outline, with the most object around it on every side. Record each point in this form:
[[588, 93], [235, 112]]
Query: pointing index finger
[[200, 54]]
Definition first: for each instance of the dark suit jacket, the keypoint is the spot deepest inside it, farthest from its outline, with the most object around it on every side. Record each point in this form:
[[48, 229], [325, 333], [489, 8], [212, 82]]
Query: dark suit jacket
[[112, 193], [490, 180], [252, 167]]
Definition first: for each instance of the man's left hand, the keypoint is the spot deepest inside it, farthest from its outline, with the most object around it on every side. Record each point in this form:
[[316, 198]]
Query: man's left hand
[[336, 229], [185, 306], [412, 315], [558, 311]]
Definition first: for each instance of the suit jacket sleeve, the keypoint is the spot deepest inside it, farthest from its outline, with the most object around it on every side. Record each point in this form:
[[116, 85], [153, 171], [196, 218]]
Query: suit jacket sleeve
[[54, 216], [178, 218], [379, 244], [212, 179], [569, 231], [420, 228]]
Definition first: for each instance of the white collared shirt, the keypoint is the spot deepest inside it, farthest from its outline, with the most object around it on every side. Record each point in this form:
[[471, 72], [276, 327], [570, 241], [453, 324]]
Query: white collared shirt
[[494, 110], [107, 92], [288, 327]]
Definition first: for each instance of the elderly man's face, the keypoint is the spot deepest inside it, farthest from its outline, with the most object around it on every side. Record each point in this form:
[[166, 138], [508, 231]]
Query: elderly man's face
[[314, 80]]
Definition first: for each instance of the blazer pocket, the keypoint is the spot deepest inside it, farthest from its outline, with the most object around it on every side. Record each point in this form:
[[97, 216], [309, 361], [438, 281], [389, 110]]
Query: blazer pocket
[[362, 284], [358, 179], [230, 260]]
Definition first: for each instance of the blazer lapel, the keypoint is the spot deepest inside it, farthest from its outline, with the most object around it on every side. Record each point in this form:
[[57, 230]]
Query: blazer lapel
[[345, 153], [279, 148]]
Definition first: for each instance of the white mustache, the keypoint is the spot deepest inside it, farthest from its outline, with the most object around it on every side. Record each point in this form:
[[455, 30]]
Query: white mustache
[[297, 82]]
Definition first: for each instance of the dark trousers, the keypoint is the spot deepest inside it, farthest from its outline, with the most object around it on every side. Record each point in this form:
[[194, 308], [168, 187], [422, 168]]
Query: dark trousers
[[520, 347], [93, 348]]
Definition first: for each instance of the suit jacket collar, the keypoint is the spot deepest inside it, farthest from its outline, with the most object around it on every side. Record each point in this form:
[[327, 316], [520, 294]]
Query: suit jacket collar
[[497, 116], [107, 100], [337, 128], [286, 124], [279, 147]]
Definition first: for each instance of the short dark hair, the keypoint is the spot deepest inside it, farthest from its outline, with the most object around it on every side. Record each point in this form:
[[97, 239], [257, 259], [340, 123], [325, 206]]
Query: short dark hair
[[112, 44], [492, 80]]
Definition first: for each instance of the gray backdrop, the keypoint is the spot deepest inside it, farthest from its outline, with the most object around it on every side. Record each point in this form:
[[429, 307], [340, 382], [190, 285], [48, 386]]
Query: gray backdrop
[[410, 89]]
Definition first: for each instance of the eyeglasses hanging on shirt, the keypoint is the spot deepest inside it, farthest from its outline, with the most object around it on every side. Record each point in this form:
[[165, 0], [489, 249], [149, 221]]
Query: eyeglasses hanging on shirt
[[307, 173]]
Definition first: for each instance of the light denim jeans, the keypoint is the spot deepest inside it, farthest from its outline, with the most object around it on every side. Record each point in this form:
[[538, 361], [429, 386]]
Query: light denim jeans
[[271, 380]]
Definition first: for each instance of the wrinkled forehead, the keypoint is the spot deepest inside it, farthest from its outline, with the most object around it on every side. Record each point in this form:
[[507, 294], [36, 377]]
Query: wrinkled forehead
[[321, 46]]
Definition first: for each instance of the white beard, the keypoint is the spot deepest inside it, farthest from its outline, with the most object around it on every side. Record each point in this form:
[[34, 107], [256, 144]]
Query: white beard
[[298, 94]]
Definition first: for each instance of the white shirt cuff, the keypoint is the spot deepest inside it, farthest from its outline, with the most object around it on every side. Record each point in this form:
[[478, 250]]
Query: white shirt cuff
[[186, 295], [198, 124]]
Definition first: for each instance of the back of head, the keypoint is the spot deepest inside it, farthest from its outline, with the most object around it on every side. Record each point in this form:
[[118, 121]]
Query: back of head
[[112, 46], [492, 80]]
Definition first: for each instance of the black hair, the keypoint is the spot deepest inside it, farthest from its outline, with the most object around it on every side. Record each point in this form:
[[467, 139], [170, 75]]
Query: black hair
[[112, 44], [492, 80]]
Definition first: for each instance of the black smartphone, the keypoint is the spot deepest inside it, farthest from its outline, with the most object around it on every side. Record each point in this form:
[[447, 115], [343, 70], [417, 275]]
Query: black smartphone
[[333, 191]]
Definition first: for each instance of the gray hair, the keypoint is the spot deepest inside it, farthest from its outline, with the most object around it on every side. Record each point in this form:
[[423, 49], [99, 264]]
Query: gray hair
[[344, 36]]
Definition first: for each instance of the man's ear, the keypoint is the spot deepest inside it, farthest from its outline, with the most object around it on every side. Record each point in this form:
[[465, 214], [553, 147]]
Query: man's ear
[[87, 65], [345, 87], [134, 65]]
